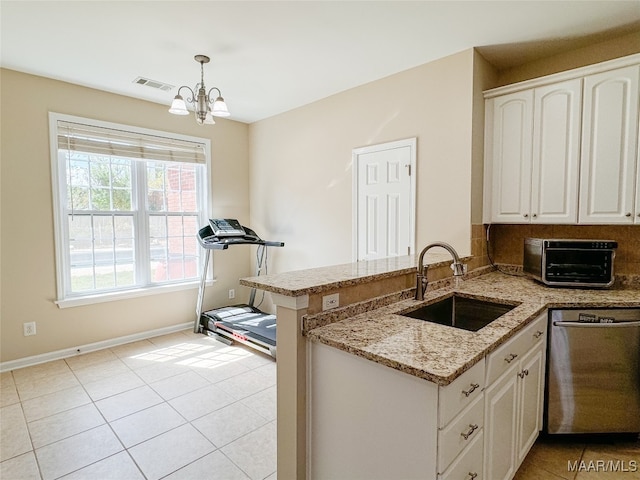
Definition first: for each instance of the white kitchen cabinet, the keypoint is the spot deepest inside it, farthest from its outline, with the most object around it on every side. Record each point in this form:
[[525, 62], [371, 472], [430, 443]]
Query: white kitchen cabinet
[[509, 124], [369, 421], [609, 189], [533, 154], [563, 149], [514, 402]]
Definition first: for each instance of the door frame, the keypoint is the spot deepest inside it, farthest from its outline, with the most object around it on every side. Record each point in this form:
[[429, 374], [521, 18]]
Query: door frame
[[355, 153]]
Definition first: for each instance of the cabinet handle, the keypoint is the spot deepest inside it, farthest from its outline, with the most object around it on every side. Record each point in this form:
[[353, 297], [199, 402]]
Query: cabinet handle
[[526, 215], [467, 434], [511, 357], [472, 475], [523, 373], [535, 215], [628, 214], [538, 334], [471, 390]]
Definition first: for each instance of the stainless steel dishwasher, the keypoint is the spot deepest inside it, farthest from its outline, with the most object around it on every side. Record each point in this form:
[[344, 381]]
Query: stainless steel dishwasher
[[593, 382]]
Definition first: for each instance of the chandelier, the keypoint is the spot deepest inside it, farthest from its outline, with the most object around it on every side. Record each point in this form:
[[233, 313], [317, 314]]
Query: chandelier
[[205, 108]]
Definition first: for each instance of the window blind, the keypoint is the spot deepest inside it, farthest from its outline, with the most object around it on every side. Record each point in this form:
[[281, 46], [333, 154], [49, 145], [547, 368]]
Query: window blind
[[108, 141]]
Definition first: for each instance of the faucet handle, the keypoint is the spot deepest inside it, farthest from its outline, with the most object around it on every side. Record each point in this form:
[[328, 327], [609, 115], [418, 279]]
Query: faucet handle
[[458, 268]]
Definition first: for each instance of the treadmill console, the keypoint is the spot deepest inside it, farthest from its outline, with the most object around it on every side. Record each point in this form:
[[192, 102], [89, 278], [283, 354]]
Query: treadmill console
[[226, 227]]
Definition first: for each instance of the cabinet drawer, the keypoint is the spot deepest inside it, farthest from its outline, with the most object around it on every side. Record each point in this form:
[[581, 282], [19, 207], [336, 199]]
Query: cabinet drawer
[[460, 393], [460, 432], [500, 360], [468, 465]]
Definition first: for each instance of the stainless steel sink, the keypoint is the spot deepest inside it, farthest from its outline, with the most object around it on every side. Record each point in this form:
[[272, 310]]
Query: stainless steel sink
[[461, 312]]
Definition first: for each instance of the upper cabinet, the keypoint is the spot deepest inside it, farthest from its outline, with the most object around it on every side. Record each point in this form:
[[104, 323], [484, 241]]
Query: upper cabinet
[[563, 149], [609, 189]]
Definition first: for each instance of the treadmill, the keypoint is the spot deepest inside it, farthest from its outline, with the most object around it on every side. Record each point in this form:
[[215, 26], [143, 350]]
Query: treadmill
[[245, 324]]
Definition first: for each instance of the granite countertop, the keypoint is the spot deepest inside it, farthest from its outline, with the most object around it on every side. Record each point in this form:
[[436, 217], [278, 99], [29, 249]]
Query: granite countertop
[[439, 353], [317, 280]]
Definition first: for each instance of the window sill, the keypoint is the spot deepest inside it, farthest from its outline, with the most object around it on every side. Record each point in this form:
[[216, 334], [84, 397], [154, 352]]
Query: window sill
[[139, 292]]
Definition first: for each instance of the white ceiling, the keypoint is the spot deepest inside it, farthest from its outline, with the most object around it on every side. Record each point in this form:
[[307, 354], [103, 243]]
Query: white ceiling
[[272, 56]]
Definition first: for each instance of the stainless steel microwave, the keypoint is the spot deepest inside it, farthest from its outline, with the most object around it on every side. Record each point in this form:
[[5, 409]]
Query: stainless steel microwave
[[570, 262]]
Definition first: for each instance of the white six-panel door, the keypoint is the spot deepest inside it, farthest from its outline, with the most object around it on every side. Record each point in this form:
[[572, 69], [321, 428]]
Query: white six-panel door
[[384, 200]]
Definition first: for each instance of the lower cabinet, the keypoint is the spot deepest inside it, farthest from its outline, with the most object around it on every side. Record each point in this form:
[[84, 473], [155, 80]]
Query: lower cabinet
[[514, 402], [369, 421]]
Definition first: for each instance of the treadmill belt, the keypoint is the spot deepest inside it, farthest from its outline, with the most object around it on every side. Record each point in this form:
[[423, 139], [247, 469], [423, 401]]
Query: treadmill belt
[[245, 320]]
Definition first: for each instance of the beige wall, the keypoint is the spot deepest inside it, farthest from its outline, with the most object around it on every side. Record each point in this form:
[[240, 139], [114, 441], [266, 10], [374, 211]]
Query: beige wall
[[301, 172], [588, 55], [28, 278]]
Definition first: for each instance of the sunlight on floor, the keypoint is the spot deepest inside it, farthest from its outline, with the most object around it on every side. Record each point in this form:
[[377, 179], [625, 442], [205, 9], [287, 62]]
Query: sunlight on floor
[[195, 355]]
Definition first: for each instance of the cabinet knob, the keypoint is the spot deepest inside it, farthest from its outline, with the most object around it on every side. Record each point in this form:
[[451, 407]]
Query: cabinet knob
[[628, 214], [472, 475], [535, 215], [467, 434], [538, 334], [523, 373], [526, 215]]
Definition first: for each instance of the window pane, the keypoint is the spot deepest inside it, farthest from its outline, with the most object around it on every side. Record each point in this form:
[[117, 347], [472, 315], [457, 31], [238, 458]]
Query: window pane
[[105, 229]]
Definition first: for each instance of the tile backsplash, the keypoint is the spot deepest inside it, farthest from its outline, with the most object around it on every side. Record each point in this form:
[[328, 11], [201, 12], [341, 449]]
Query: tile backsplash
[[506, 242]]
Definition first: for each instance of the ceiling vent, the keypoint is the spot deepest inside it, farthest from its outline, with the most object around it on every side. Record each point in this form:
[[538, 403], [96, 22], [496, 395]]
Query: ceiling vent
[[165, 87]]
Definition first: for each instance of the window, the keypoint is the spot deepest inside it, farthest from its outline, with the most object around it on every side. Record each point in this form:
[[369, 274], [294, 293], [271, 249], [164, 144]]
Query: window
[[128, 205]]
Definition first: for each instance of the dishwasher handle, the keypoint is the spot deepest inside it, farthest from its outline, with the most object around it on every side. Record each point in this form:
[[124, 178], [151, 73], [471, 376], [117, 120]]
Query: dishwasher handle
[[596, 325]]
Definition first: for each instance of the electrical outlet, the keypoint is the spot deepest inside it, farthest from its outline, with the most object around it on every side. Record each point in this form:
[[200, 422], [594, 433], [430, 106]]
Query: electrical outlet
[[232, 293], [29, 328], [330, 301]]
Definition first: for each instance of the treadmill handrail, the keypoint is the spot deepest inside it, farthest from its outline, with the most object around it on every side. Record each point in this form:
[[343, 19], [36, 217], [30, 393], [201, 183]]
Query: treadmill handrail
[[208, 240]]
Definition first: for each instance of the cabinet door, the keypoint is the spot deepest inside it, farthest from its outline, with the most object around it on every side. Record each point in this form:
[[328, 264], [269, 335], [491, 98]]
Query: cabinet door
[[609, 136], [500, 427], [510, 156], [530, 387], [556, 152]]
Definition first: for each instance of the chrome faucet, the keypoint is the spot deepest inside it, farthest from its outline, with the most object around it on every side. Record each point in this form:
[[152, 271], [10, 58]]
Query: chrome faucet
[[421, 274]]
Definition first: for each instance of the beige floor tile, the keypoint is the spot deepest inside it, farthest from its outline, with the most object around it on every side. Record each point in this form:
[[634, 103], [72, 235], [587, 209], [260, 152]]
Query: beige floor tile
[[155, 371], [42, 370], [77, 452], [214, 466], [53, 403], [14, 435], [101, 371], [263, 403], [610, 461], [6, 380], [246, 384], [113, 385], [132, 349], [553, 455], [36, 387], [228, 424], [128, 402], [170, 451], [177, 385], [117, 467], [8, 395], [255, 453], [141, 426], [92, 358], [22, 467], [65, 424], [216, 370], [201, 402]]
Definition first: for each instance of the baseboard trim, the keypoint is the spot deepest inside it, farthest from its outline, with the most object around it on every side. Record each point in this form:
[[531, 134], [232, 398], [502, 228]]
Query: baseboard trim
[[91, 347]]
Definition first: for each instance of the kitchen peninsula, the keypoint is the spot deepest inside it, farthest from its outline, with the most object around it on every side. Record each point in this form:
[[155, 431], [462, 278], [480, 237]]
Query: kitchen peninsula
[[367, 331]]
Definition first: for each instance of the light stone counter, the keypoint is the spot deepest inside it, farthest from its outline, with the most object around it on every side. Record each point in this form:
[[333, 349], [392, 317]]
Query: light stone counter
[[376, 330], [439, 353]]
